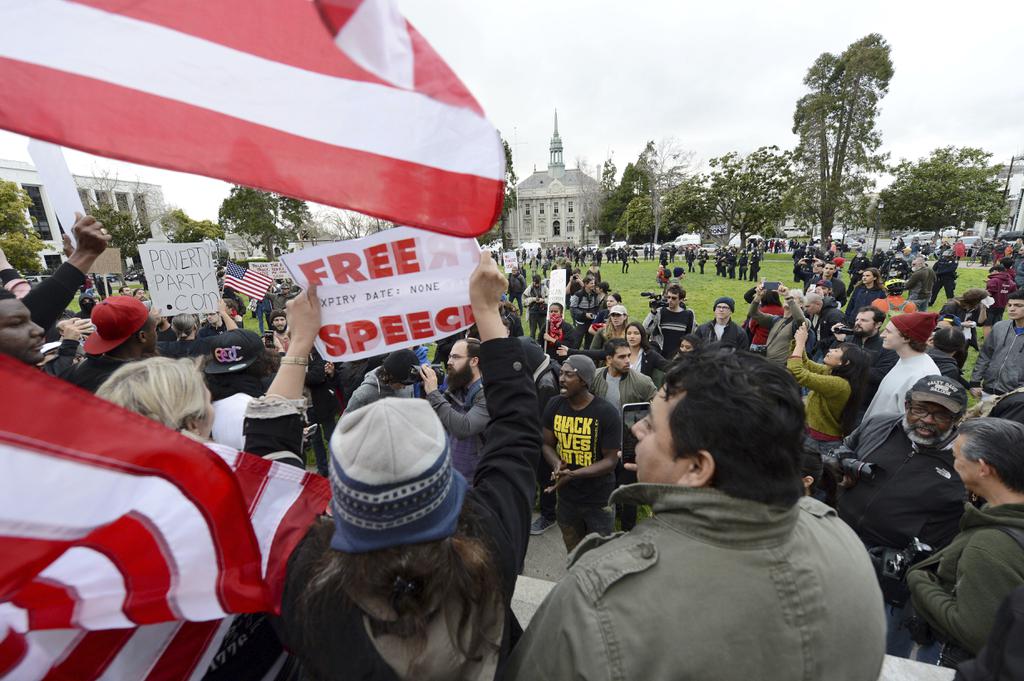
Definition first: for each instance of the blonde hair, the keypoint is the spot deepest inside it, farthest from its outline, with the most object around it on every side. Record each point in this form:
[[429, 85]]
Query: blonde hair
[[169, 391]]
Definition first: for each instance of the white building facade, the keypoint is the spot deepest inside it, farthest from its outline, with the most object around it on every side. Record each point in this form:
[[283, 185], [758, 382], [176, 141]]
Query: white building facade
[[554, 207], [142, 200]]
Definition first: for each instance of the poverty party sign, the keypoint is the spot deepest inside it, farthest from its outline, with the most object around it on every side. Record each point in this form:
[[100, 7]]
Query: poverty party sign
[[182, 277], [388, 291]]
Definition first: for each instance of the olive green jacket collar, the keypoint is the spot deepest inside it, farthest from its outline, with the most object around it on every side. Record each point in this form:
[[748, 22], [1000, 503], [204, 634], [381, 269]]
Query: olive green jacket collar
[[711, 516]]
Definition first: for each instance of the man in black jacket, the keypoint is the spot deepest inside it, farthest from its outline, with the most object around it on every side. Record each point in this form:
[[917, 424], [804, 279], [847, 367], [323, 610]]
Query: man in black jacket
[[24, 322], [901, 484], [823, 313], [516, 286], [945, 277], [722, 329], [866, 328]]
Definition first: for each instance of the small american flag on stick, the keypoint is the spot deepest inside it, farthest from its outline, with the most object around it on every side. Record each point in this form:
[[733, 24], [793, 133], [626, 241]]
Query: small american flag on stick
[[249, 282]]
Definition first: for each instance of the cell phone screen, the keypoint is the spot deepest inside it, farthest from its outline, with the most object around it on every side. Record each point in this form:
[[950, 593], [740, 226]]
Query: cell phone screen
[[771, 285], [632, 414]]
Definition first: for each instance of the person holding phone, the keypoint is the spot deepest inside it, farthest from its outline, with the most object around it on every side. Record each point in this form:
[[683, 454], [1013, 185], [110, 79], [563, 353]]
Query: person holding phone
[[620, 385], [780, 329]]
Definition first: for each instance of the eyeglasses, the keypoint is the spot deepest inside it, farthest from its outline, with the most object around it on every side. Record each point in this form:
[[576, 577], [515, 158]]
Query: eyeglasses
[[939, 415]]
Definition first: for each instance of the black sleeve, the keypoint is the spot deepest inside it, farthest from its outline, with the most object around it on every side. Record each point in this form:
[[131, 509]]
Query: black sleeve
[[50, 298], [65, 361], [611, 426], [656, 359], [315, 374], [596, 355], [883, 365], [505, 477]]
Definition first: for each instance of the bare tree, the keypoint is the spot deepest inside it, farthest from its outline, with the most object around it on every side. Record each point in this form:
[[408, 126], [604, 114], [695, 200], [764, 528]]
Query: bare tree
[[331, 224], [588, 201], [666, 164]]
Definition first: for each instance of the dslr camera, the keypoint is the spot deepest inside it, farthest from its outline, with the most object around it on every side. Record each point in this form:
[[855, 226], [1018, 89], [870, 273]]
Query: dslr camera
[[857, 470], [845, 330], [655, 300], [896, 562]]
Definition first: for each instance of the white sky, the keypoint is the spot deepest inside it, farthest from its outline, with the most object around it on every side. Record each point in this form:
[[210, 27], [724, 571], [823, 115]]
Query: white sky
[[719, 76]]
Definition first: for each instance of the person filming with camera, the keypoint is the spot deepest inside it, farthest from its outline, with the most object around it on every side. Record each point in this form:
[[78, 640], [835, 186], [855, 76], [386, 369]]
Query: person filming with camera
[[669, 320], [902, 492]]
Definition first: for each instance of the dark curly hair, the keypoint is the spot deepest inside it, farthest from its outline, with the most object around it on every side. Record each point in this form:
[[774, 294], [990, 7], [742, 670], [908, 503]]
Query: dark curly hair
[[747, 412]]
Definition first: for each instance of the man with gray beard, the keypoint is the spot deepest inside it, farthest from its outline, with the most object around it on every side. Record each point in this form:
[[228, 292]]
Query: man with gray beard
[[900, 484]]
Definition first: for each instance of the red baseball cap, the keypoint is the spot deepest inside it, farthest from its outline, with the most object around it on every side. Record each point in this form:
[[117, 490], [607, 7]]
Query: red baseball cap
[[115, 319]]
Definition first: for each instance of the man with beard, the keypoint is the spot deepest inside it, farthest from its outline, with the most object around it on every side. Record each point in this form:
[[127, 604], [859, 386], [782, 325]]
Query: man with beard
[[901, 484], [462, 408], [865, 334], [279, 322]]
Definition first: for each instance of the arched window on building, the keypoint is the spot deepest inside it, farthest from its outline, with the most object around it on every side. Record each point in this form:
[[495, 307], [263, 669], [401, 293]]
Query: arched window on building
[[570, 226], [556, 228]]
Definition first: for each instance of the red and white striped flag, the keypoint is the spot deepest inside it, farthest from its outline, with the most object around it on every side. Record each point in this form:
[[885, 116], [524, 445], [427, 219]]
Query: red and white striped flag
[[127, 547], [250, 282], [341, 102]]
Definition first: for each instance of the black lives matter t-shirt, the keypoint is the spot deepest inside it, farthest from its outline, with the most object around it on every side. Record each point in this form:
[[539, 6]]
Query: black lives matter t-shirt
[[580, 438]]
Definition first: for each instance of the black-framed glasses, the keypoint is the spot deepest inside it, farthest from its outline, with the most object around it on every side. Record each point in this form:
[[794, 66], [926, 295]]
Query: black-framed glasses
[[938, 415]]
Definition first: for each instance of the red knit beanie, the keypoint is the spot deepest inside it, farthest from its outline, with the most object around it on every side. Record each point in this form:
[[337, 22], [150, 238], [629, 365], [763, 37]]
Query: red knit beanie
[[916, 325]]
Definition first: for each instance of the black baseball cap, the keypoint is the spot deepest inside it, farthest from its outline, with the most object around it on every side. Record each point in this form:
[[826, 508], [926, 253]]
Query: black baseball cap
[[941, 391], [233, 351]]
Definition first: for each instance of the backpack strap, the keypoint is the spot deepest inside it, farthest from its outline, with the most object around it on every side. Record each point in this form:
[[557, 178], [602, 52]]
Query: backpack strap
[[1015, 532]]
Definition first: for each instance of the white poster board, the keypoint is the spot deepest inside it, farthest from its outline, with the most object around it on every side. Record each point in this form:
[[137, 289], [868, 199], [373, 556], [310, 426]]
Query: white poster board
[[556, 288], [57, 183], [274, 270], [510, 260], [181, 277], [391, 290]]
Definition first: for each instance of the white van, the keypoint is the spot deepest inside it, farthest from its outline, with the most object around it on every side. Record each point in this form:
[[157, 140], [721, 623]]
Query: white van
[[735, 240], [687, 240]]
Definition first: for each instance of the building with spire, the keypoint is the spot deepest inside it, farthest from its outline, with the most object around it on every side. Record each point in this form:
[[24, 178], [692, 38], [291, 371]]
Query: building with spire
[[556, 207]]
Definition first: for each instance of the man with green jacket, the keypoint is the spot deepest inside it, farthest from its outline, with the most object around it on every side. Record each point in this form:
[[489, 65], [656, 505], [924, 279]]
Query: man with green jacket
[[616, 382], [737, 575], [620, 385], [958, 590]]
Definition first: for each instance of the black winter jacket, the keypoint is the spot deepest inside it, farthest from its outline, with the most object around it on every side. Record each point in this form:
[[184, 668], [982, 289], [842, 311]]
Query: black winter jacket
[[732, 337], [916, 491]]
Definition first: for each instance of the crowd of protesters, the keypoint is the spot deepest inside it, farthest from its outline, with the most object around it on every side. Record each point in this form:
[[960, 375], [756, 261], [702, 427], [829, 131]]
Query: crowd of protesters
[[805, 490]]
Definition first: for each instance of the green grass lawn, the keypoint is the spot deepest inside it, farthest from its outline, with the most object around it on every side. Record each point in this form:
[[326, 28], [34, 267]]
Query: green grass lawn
[[702, 290]]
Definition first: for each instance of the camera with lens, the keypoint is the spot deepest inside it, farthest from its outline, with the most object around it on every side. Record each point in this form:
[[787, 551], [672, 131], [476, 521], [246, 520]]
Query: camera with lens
[[655, 300], [845, 330], [414, 374], [896, 562], [857, 470]]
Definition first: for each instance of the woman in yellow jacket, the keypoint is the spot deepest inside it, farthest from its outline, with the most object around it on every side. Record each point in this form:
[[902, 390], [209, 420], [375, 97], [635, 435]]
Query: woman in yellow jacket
[[836, 389]]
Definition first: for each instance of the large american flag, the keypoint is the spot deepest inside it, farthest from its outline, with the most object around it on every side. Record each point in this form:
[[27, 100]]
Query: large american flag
[[250, 282], [341, 102], [128, 548]]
